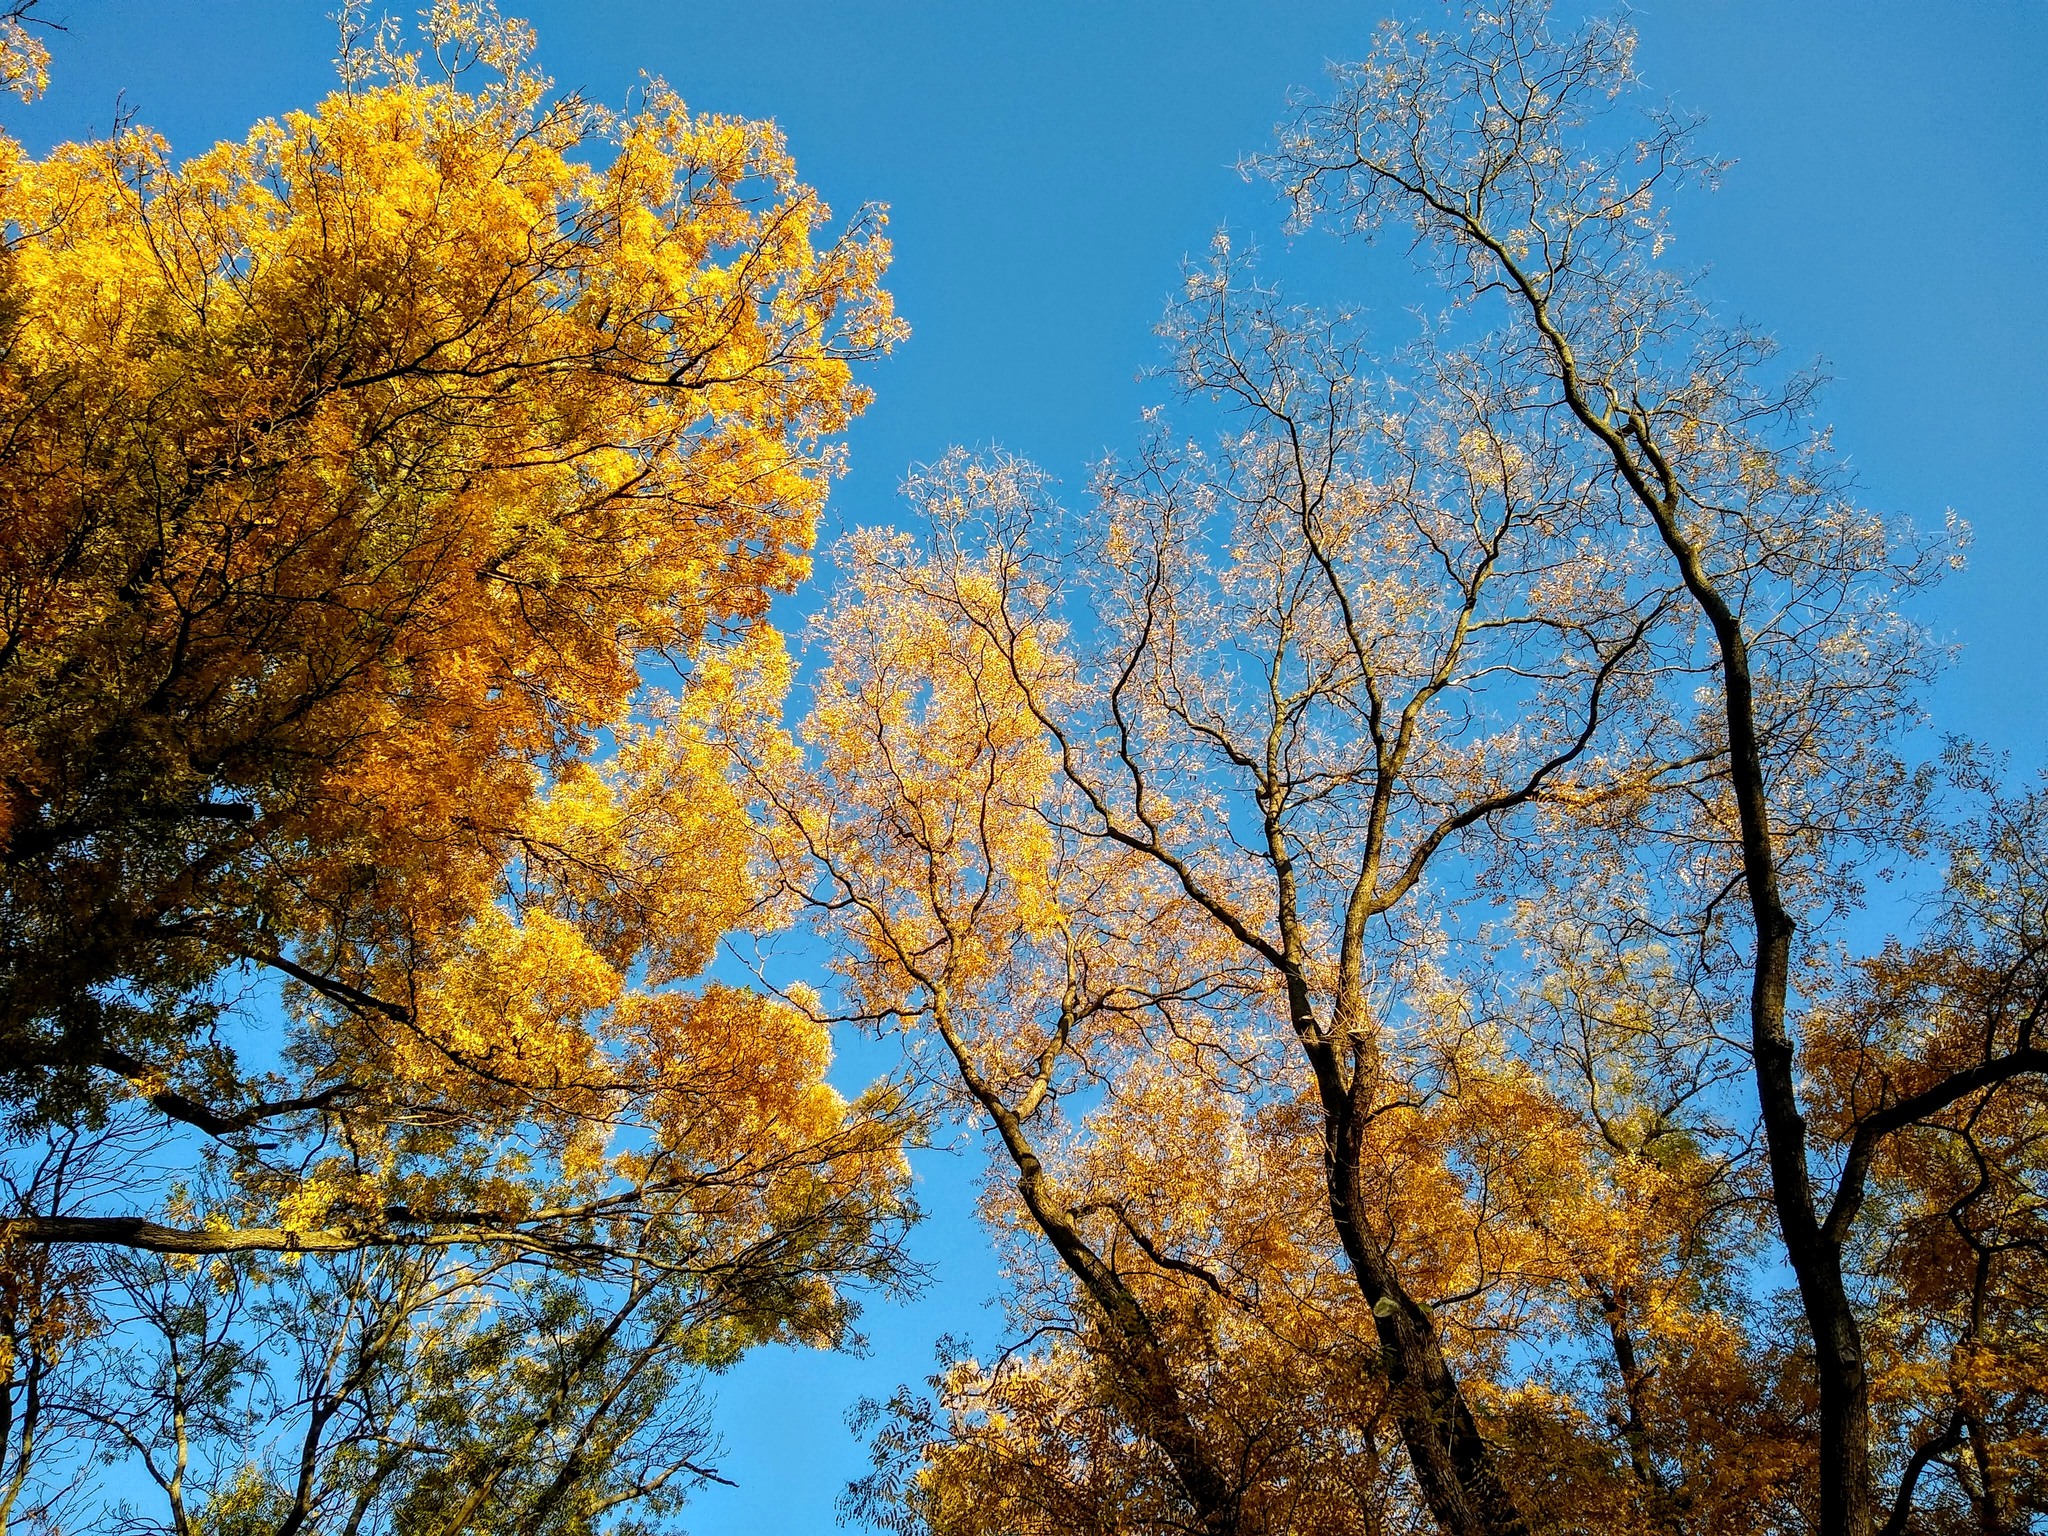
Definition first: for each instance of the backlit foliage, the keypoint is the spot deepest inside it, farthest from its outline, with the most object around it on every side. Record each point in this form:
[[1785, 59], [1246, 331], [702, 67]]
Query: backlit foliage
[[390, 507], [1383, 876], [356, 472], [1476, 747]]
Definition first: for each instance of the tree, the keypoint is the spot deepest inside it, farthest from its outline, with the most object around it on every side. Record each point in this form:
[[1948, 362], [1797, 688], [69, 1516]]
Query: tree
[[1488, 148], [390, 501], [354, 471], [1931, 1087], [1204, 1200], [927, 831], [1208, 1375], [1270, 737], [397, 1388], [1497, 717]]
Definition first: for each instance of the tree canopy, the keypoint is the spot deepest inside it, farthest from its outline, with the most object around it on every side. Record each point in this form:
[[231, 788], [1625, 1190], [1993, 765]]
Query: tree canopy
[[391, 501], [1466, 758], [1386, 871]]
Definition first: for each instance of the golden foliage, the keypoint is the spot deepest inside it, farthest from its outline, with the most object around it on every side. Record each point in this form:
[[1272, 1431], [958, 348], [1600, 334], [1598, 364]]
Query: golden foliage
[[352, 470], [363, 479]]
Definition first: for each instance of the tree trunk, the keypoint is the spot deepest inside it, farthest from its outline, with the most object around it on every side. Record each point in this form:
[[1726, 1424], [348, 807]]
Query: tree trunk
[[1454, 1466]]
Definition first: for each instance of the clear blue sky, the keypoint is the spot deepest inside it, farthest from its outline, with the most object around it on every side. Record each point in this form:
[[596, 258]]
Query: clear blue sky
[[1049, 164]]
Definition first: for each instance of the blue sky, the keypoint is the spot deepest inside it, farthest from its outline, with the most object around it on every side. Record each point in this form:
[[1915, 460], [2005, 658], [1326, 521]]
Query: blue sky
[[1048, 165]]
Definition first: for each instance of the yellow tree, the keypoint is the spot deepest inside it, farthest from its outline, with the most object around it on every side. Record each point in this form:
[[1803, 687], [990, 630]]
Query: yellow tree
[[1195, 1176], [1315, 677], [354, 475], [930, 837], [1061, 991], [391, 502], [1385, 661], [1656, 1394], [1932, 1079], [24, 57], [1491, 147]]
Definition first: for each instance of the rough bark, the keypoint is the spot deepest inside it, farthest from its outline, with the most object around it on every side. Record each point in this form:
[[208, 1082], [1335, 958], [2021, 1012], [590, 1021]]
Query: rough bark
[[1454, 1466]]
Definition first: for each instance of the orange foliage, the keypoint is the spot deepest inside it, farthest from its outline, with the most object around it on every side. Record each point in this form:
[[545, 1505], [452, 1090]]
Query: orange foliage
[[363, 480]]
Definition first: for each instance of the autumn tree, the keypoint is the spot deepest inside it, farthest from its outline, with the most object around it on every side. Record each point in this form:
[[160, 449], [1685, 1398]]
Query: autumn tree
[[1202, 1194], [1310, 678], [390, 499], [927, 830], [1496, 700], [929, 833], [1644, 508], [1500, 152], [355, 472], [24, 57], [1929, 1087]]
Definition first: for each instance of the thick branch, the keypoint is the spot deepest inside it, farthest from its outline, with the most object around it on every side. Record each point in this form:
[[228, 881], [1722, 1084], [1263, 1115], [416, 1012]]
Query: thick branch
[[1910, 1110], [177, 1106]]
